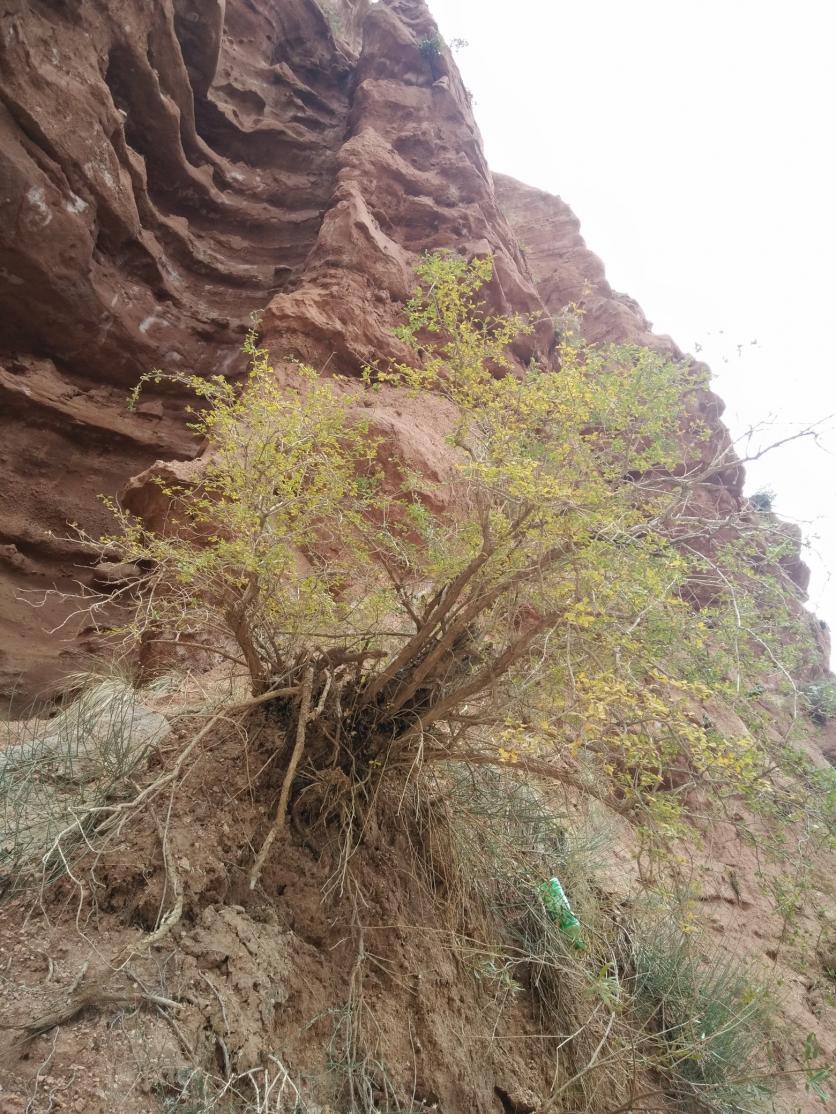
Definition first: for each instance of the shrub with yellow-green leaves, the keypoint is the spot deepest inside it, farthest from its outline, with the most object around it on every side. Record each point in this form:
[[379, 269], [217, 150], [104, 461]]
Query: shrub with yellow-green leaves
[[543, 622]]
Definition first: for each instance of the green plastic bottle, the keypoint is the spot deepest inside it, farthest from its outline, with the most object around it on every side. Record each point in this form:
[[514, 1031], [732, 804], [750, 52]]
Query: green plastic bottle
[[558, 907]]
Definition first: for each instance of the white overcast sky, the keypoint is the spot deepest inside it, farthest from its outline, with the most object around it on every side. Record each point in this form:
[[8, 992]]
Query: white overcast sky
[[694, 139]]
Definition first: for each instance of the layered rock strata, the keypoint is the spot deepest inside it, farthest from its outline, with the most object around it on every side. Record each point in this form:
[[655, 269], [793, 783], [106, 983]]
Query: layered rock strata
[[169, 168], [164, 169]]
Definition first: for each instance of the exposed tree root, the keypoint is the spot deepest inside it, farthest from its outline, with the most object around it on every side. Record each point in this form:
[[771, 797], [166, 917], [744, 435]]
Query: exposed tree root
[[298, 747], [93, 997]]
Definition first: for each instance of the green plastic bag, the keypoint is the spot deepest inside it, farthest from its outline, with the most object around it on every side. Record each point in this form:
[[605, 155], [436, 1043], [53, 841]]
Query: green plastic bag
[[557, 906]]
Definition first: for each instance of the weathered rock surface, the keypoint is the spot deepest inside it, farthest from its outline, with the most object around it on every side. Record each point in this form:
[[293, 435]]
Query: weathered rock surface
[[167, 169], [164, 168], [411, 178]]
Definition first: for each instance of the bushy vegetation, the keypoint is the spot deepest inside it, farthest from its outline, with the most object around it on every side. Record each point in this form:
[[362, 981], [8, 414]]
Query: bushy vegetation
[[762, 500], [711, 1018], [545, 620], [646, 1009]]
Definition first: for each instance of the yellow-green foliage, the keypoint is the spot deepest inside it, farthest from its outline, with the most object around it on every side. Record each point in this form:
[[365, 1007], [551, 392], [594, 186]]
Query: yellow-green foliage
[[566, 474], [543, 621], [264, 548]]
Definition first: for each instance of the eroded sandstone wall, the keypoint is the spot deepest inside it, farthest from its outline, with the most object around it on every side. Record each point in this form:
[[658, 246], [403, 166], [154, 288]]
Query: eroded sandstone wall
[[169, 167], [164, 169]]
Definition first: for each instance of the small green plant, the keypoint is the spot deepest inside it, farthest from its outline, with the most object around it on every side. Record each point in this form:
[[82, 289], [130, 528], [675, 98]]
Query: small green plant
[[497, 976], [788, 896], [820, 700], [431, 47], [816, 1074], [710, 1016], [762, 500]]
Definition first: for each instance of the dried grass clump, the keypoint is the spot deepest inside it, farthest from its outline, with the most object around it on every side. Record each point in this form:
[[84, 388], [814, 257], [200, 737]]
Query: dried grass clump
[[56, 772]]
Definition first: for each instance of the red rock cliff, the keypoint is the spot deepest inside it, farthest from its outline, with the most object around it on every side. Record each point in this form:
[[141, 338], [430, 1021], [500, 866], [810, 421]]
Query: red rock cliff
[[169, 167]]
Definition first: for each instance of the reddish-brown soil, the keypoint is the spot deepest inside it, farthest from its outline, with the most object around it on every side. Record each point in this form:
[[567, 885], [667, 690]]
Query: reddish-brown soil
[[395, 942], [270, 972]]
